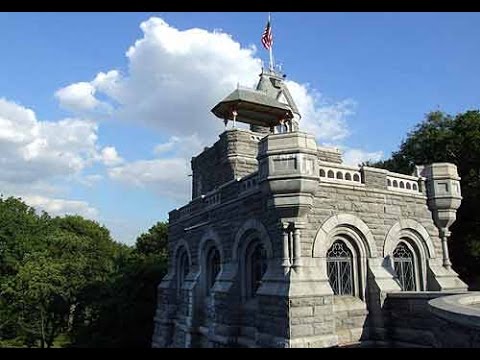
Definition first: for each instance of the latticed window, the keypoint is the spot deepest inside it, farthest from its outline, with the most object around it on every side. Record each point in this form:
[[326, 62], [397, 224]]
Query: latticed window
[[213, 267], [183, 268], [340, 268], [403, 264], [258, 266]]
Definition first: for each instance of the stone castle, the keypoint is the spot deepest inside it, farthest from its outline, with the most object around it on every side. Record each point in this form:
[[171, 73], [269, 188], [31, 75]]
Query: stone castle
[[282, 245]]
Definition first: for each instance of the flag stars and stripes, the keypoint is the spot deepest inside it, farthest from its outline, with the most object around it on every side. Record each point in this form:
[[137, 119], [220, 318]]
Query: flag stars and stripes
[[267, 37]]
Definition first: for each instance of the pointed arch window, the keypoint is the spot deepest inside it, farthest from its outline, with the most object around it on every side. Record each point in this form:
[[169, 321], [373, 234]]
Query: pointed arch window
[[256, 266], [183, 268], [340, 268], [403, 262], [213, 267]]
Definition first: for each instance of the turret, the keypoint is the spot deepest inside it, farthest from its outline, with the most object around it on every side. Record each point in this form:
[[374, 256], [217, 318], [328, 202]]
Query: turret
[[444, 198], [269, 108]]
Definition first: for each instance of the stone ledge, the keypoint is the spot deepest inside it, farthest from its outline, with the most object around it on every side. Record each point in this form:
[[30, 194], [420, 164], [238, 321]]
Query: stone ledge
[[461, 309], [419, 294]]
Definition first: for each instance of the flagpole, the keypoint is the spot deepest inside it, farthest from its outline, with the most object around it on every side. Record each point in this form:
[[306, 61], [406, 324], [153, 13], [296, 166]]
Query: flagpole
[[271, 46]]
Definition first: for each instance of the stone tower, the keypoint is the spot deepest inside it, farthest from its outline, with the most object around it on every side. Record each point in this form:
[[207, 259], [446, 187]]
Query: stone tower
[[282, 245]]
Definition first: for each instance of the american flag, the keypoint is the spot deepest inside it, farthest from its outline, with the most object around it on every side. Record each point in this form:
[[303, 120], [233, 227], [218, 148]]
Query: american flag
[[267, 37]]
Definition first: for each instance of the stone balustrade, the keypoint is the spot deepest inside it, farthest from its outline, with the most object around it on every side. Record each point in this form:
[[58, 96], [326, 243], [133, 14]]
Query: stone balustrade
[[338, 173], [403, 183], [227, 192], [249, 183]]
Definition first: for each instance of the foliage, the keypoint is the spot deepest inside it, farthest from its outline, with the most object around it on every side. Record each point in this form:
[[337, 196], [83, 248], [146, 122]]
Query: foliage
[[456, 139], [154, 241], [65, 282]]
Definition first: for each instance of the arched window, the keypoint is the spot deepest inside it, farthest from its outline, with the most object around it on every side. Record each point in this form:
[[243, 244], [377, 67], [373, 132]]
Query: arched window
[[339, 175], [322, 173], [404, 267], [340, 269], [256, 265], [213, 267], [348, 177], [183, 268], [330, 174]]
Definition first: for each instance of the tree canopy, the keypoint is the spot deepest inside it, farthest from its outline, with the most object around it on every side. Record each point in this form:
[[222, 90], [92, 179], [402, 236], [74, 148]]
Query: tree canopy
[[65, 282]]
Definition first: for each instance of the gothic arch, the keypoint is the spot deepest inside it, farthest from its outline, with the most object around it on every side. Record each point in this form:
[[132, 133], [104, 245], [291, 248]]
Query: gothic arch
[[249, 226], [182, 243], [412, 230], [350, 225], [210, 235]]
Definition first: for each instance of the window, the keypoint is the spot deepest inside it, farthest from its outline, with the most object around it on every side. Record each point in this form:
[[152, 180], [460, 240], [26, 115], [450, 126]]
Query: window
[[339, 269], [213, 267], [183, 268], [403, 265], [256, 267]]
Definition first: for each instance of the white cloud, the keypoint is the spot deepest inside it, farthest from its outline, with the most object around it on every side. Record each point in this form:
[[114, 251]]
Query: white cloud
[[168, 174], [176, 76], [59, 207], [185, 146], [77, 97], [173, 80], [357, 156], [110, 156], [325, 119], [163, 176], [90, 180], [32, 150]]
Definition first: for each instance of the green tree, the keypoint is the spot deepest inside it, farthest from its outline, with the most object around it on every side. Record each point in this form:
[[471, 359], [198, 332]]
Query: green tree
[[121, 308], [456, 139], [154, 241]]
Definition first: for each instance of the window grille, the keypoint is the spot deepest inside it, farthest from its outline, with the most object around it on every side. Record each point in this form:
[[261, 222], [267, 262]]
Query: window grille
[[183, 269], [403, 264], [258, 263], [339, 269], [213, 267]]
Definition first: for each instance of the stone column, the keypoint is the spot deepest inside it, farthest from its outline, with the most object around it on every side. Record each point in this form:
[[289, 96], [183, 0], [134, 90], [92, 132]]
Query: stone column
[[297, 248], [286, 247], [444, 235]]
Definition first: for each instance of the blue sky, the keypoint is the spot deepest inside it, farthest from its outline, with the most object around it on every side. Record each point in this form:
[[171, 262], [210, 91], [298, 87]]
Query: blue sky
[[363, 80]]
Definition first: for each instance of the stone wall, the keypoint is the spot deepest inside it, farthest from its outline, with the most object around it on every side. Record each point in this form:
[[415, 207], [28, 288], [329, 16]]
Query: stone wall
[[232, 156], [412, 323], [329, 155], [297, 213], [378, 209]]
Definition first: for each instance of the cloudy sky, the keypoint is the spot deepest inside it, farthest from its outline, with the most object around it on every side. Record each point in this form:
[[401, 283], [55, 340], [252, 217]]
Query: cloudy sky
[[100, 113]]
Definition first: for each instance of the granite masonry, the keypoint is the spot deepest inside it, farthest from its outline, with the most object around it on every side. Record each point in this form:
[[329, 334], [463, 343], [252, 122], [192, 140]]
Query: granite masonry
[[282, 245]]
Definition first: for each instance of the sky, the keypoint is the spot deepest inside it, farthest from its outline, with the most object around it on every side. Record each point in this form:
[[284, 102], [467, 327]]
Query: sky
[[100, 113]]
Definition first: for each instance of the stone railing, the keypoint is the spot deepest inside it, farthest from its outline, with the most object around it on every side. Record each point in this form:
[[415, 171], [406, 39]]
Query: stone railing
[[404, 183], [249, 183], [212, 198], [224, 193], [338, 173]]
